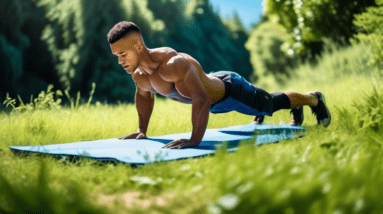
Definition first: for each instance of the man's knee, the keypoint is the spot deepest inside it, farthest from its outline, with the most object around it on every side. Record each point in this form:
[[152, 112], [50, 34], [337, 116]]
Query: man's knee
[[288, 93], [280, 101]]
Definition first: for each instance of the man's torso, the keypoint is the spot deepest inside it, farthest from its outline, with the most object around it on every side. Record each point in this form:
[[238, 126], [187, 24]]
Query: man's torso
[[176, 90]]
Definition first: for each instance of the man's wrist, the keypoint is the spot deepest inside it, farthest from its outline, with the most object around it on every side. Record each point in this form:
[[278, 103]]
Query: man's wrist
[[142, 130], [194, 141]]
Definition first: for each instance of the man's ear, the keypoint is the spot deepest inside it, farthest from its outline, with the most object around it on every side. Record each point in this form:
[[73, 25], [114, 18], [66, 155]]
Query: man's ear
[[139, 46]]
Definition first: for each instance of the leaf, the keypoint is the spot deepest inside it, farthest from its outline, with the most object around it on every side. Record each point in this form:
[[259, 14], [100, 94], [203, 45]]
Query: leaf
[[228, 201]]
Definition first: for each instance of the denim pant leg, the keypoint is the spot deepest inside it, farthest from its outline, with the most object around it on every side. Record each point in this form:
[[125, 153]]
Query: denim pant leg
[[244, 98]]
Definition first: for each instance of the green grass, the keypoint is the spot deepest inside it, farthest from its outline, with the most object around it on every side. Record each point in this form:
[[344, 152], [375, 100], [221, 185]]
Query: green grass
[[333, 170]]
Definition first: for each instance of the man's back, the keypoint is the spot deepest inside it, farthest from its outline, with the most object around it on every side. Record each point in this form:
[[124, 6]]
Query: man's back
[[168, 81]]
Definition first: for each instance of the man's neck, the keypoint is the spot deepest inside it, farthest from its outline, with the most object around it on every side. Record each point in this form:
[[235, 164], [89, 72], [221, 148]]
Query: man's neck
[[147, 65]]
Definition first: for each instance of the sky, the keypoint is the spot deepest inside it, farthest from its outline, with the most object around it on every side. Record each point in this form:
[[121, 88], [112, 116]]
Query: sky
[[250, 11]]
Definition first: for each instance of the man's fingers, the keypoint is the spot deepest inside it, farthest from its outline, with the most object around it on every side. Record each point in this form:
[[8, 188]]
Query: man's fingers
[[171, 144], [130, 136], [122, 138], [176, 145], [167, 146], [179, 146], [140, 136], [125, 137]]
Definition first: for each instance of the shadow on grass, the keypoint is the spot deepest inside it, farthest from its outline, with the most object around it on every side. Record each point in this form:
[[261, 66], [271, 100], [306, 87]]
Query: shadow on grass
[[41, 198]]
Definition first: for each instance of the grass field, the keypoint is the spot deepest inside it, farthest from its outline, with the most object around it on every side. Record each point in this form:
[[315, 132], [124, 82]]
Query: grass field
[[334, 170]]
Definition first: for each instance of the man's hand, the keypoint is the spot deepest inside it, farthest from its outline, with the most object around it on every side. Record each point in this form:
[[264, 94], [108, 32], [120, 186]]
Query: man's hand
[[137, 135], [180, 144]]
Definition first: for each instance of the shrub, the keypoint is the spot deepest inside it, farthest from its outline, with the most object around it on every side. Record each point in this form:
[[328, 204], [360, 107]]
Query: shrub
[[311, 21], [371, 24], [266, 55]]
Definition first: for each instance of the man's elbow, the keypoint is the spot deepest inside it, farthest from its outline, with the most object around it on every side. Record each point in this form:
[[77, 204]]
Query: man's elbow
[[203, 100]]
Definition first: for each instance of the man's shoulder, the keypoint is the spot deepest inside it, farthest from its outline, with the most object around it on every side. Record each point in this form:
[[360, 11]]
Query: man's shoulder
[[163, 53]]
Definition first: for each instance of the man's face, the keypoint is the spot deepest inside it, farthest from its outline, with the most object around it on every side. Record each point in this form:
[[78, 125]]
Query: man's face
[[127, 55]]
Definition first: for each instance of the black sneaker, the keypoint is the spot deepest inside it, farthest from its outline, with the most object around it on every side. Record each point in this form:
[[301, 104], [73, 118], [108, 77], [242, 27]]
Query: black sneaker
[[321, 111], [258, 120], [298, 116]]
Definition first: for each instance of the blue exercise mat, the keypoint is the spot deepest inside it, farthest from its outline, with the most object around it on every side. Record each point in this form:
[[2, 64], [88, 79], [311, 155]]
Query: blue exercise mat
[[149, 150]]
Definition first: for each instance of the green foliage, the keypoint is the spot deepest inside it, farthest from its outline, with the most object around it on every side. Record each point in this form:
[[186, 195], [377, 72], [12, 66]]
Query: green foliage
[[47, 101], [371, 24], [334, 65], [217, 49], [64, 36], [172, 14], [70, 39], [194, 28], [44, 101], [11, 63], [12, 44], [370, 112], [234, 24], [315, 20], [9, 101], [139, 12], [81, 55], [338, 169], [41, 198], [267, 57], [333, 170], [287, 183]]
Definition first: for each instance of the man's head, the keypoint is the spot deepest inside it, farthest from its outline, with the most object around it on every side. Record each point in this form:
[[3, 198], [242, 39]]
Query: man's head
[[126, 42]]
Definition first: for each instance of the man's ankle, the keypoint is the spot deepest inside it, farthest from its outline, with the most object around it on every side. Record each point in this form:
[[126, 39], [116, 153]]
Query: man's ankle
[[314, 100]]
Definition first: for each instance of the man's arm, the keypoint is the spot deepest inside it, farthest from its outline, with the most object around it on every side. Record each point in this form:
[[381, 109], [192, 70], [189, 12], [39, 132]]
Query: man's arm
[[144, 106], [200, 106]]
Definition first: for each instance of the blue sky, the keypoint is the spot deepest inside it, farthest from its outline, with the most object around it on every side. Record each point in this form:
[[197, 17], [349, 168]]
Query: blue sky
[[250, 11]]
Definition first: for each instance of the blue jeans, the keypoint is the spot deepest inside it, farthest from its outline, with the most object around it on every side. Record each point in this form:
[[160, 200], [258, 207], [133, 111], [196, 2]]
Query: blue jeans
[[242, 96]]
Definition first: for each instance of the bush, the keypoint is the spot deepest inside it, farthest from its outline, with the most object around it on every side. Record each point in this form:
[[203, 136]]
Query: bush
[[335, 64], [370, 113], [267, 57], [370, 23], [311, 21]]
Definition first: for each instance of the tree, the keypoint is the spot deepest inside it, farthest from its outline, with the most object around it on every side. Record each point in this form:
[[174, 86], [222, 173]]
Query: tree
[[76, 39], [64, 42], [12, 45], [267, 57], [234, 24], [172, 13], [371, 24], [194, 28], [311, 21]]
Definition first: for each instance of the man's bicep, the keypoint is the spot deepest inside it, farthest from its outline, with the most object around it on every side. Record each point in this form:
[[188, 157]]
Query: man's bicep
[[194, 85], [177, 67]]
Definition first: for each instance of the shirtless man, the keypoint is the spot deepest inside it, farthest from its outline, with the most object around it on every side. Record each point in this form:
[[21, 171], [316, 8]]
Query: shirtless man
[[180, 77]]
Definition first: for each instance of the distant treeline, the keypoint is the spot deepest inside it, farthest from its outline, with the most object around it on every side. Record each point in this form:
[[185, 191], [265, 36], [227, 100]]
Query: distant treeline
[[64, 42]]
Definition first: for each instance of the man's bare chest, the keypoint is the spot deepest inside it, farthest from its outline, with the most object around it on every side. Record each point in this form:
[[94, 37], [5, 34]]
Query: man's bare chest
[[156, 84]]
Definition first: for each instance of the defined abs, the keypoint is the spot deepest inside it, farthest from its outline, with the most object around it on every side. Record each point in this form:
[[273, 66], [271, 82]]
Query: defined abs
[[176, 96]]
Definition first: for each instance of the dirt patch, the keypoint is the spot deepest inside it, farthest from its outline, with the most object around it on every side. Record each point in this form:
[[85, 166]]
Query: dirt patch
[[135, 199]]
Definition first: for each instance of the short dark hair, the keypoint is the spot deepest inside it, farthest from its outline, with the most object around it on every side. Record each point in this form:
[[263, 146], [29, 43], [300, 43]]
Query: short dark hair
[[120, 30]]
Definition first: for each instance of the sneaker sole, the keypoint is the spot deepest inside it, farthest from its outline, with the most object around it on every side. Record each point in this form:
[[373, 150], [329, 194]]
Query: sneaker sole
[[325, 122], [302, 116]]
